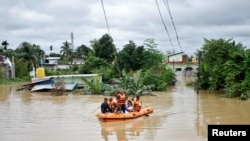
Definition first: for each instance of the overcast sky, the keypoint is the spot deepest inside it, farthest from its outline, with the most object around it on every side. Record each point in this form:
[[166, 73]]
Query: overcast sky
[[50, 22]]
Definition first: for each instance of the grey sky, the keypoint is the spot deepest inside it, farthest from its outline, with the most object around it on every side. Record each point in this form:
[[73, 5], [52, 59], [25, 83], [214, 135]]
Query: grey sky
[[50, 22]]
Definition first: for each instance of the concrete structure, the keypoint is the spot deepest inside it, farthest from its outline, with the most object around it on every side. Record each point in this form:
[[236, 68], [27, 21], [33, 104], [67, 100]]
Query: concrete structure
[[6, 67], [78, 60], [71, 78], [178, 62], [53, 63], [70, 82]]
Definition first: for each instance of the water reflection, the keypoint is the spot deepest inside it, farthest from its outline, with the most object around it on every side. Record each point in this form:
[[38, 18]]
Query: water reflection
[[121, 129], [7, 92], [212, 109]]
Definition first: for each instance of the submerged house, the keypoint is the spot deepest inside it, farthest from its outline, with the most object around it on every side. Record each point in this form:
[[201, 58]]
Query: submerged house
[[47, 83]]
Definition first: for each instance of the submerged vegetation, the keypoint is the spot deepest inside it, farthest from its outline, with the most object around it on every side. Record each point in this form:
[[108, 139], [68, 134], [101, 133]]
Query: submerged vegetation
[[137, 69], [224, 65]]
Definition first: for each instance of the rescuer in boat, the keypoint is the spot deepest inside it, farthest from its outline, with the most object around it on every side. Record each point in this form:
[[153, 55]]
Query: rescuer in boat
[[121, 101], [105, 107], [137, 104], [112, 103], [129, 106]]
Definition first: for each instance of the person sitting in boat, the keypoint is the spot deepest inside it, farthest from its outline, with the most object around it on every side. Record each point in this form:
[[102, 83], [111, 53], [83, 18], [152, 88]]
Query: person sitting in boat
[[137, 104], [121, 100], [105, 107], [129, 106], [112, 103]]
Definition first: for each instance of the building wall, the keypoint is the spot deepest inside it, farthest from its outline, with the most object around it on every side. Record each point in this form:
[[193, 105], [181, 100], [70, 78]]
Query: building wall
[[178, 64], [178, 58]]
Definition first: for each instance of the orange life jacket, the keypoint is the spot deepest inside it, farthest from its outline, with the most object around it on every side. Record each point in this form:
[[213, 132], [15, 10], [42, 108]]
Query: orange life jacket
[[121, 99], [137, 105]]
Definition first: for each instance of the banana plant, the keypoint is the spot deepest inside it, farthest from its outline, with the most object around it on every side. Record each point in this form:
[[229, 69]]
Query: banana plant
[[94, 84], [135, 84]]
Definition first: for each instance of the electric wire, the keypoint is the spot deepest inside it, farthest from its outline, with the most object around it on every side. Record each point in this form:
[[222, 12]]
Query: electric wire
[[164, 25], [168, 8], [105, 17]]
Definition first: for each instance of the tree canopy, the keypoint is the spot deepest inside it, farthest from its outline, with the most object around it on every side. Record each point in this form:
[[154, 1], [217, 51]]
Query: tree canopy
[[225, 65], [104, 48]]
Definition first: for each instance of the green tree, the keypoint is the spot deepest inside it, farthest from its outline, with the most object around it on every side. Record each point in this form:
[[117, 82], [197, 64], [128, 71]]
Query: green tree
[[150, 44], [92, 64], [223, 66], [67, 51], [131, 58], [104, 48], [28, 53], [152, 56], [5, 45], [22, 69], [83, 51]]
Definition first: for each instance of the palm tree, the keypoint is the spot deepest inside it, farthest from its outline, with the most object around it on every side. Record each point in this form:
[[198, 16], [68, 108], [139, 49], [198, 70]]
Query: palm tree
[[66, 50], [28, 53], [5, 44], [7, 52], [50, 48]]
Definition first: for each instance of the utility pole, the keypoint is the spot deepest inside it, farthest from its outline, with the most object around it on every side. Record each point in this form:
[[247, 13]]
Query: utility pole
[[198, 73], [173, 65], [13, 68], [72, 40]]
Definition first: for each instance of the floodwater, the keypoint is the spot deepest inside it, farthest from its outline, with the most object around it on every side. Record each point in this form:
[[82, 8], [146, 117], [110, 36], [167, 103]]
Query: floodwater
[[180, 114]]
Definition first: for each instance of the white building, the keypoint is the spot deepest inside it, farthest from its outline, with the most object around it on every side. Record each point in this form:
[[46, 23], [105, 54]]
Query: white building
[[53, 63], [178, 62]]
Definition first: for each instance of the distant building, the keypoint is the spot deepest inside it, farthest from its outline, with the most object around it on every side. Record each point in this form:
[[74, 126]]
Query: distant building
[[53, 63], [50, 62], [78, 61], [178, 62]]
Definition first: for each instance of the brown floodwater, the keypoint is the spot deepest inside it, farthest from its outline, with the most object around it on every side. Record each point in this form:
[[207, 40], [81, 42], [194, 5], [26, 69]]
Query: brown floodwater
[[179, 114]]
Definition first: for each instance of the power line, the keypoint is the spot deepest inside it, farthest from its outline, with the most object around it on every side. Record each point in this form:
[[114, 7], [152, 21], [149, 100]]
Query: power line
[[164, 25], [105, 17], [168, 8]]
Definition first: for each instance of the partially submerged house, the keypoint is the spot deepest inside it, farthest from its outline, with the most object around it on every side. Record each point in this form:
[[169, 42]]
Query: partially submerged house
[[178, 62]]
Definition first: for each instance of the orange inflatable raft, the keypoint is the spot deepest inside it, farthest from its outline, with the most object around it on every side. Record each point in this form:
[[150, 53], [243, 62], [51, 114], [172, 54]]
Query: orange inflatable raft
[[123, 116]]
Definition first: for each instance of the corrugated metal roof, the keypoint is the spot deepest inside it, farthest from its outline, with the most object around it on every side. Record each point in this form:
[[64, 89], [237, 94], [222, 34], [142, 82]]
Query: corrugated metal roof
[[39, 87]]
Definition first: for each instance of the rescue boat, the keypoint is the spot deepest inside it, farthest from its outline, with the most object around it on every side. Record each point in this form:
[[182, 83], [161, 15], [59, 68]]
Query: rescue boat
[[123, 116]]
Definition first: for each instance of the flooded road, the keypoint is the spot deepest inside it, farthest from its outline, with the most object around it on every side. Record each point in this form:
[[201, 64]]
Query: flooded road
[[179, 114]]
